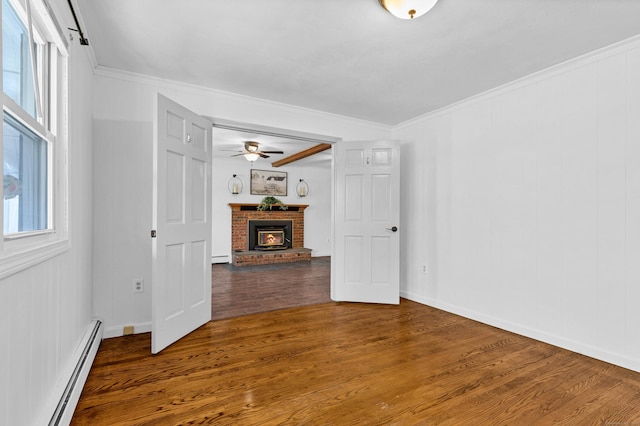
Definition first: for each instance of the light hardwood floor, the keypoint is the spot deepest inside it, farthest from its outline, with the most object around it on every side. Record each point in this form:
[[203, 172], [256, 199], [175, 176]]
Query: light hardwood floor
[[353, 364]]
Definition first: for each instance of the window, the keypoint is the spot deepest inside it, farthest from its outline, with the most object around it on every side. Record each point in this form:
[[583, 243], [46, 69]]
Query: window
[[25, 179], [34, 169]]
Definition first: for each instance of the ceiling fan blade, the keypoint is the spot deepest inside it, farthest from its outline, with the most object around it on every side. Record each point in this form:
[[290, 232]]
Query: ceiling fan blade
[[273, 152], [238, 155], [263, 155]]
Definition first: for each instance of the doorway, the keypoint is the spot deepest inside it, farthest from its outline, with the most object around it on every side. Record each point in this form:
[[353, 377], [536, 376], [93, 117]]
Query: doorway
[[316, 170], [244, 290]]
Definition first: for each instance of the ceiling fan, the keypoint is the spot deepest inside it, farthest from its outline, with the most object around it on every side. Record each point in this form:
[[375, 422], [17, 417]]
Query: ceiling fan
[[252, 151]]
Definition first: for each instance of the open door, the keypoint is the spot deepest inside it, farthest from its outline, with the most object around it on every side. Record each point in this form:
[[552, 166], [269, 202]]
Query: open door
[[365, 266], [181, 235]]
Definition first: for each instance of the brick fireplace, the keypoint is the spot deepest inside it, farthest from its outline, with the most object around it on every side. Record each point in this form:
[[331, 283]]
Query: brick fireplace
[[242, 255]]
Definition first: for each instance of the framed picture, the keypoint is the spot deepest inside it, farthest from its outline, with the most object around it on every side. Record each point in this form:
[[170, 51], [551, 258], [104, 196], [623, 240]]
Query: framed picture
[[268, 182]]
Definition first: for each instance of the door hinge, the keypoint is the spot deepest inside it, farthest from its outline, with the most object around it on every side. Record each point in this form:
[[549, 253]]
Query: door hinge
[[153, 233]]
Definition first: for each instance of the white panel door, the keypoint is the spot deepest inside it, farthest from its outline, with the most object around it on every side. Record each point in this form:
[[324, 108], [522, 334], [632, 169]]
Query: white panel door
[[181, 258], [365, 266]]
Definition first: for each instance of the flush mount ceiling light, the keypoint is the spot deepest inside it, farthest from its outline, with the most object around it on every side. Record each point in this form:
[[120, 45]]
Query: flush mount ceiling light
[[407, 9]]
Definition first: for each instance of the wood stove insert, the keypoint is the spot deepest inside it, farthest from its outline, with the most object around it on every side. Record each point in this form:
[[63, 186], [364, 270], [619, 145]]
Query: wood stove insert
[[270, 234]]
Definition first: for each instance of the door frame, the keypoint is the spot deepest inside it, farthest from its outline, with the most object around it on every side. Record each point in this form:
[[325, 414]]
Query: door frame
[[241, 126]]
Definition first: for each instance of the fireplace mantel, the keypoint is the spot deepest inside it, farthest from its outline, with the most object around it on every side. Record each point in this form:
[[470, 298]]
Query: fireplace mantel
[[245, 206]]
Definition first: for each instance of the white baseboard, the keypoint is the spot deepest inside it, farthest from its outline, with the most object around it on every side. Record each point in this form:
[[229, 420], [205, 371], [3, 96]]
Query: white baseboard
[[316, 253], [65, 397]]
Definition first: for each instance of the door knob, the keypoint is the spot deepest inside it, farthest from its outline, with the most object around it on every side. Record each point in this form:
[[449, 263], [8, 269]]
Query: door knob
[[392, 229]]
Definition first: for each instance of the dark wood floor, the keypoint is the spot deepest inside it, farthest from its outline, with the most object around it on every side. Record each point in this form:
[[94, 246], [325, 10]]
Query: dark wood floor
[[353, 364], [244, 290]]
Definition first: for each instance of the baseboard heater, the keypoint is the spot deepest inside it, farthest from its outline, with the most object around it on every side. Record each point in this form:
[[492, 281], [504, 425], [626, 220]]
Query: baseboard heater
[[71, 395]]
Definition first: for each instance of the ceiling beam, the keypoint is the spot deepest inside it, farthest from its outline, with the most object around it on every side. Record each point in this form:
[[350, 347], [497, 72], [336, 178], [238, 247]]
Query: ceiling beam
[[302, 154]]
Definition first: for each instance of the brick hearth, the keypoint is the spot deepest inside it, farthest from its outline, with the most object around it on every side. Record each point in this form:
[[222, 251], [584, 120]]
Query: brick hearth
[[255, 257], [240, 216]]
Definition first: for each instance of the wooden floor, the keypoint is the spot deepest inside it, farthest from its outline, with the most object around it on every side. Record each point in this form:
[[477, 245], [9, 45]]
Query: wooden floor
[[353, 364], [242, 290]]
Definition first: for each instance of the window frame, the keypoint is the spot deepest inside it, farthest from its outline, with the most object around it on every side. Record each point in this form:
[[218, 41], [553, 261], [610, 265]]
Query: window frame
[[22, 250]]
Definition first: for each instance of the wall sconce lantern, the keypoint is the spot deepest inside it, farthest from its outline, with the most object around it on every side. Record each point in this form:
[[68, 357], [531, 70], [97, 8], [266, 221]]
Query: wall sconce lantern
[[235, 185], [302, 188]]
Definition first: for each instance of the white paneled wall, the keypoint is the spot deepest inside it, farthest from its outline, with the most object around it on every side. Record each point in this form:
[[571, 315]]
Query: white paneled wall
[[632, 208], [46, 309], [532, 217], [122, 222], [611, 196]]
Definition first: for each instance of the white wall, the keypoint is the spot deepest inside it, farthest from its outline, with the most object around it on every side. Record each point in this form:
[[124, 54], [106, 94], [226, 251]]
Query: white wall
[[123, 117], [46, 309], [525, 206], [317, 216]]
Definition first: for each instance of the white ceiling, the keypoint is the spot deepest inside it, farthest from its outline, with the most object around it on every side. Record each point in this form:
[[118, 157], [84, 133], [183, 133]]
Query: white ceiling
[[351, 57]]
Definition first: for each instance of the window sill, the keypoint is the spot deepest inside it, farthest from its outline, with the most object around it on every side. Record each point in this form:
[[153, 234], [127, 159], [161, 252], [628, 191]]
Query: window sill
[[12, 263]]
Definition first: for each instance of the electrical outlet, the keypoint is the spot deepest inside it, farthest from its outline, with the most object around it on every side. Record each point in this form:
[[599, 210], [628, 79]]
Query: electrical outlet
[[138, 286], [423, 268]]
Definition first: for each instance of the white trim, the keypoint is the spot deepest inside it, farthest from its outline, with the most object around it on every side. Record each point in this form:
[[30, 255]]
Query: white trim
[[19, 235], [15, 262], [221, 259], [16, 111], [533, 333], [47, 18], [36, 72]]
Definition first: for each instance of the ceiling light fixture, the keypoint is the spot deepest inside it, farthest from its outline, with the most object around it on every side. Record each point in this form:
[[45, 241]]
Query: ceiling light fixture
[[251, 156], [407, 9]]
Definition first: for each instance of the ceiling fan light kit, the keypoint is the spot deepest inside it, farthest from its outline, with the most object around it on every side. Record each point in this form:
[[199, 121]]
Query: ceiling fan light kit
[[407, 9], [251, 156], [252, 151]]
